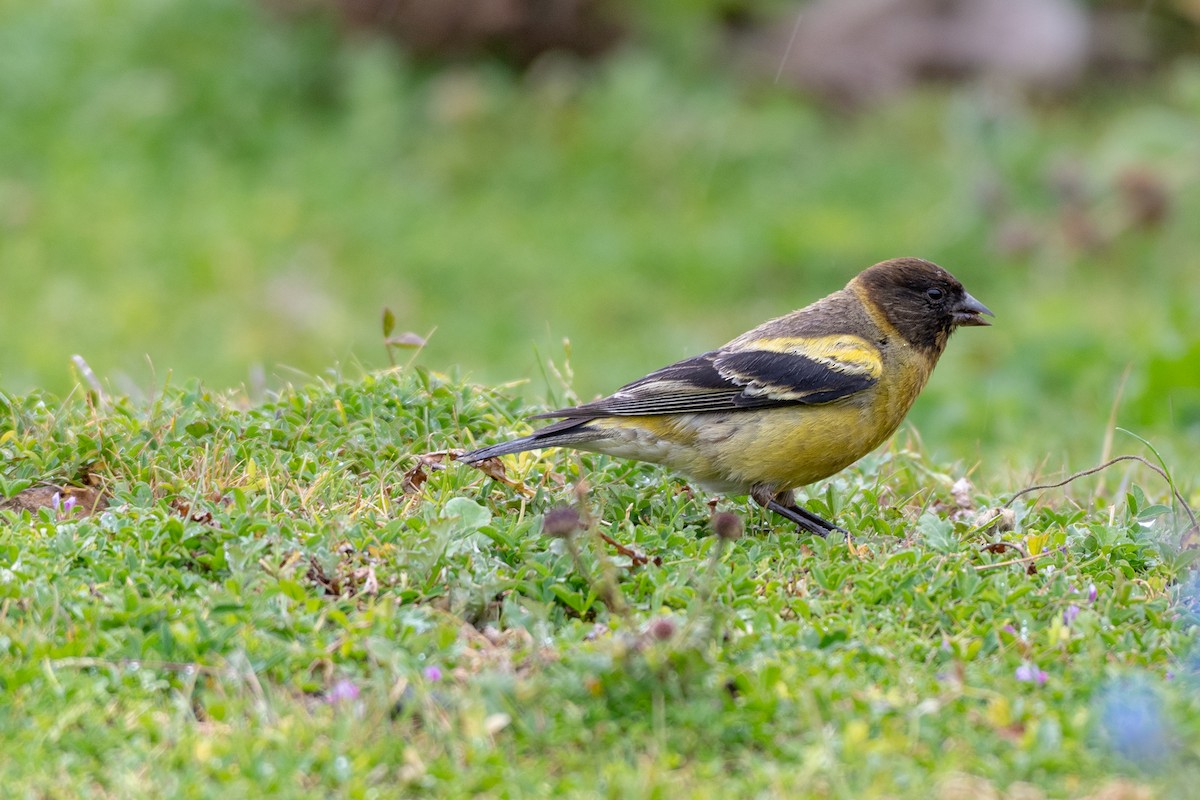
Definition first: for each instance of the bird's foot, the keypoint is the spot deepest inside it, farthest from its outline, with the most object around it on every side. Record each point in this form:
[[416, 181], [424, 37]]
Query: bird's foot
[[784, 504], [805, 519]]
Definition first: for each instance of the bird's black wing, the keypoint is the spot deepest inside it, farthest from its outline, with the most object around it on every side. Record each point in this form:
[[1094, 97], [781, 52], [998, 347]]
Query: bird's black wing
[[761, 373]]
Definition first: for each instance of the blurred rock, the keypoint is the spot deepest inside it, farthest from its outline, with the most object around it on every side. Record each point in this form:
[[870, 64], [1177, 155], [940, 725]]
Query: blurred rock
[[514, 30], [958, 786], [1080, 231], [1016, 237], [1122, 789], [1121, 45], [1146, 198], [1075, 198], [855, 52]]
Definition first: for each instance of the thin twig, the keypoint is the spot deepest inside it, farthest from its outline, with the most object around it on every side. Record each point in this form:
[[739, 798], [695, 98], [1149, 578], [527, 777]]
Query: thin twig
[[1092, 471], [1025, 560], [996, 547], [84, 662], [634, 556]]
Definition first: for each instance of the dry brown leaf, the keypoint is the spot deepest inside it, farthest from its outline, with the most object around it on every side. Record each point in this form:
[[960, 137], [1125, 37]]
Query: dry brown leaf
[[997, 520], [415, 478], [185, 510], [366, 580], [961, 491], [859, 551], [494, 469]]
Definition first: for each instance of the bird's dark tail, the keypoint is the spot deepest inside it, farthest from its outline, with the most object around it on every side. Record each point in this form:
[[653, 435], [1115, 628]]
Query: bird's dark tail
[[567, 433]]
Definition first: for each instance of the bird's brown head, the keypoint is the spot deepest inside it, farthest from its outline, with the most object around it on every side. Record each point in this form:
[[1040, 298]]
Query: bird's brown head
[[922, 301]]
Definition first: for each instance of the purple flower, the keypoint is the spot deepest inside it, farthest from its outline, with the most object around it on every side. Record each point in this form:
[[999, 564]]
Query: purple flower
[[1070, 613], [1092, 593], [1029, 673], [344, 691], [63, 505], [432, 674]]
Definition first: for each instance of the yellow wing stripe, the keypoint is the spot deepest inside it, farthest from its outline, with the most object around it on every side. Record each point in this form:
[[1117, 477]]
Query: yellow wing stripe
[[842, 352]]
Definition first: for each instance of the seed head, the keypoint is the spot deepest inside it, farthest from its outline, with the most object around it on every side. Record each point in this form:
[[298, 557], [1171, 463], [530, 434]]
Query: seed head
[[662, 628], [728, 526], [561, 522]]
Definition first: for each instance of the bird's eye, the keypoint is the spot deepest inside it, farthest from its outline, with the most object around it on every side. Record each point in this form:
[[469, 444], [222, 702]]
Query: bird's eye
[[934, 293]]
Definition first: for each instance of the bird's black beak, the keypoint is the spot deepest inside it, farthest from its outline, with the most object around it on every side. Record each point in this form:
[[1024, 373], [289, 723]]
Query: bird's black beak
[[969, 311]]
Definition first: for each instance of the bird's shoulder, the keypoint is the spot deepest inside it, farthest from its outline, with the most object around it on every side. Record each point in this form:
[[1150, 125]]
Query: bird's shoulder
[[839, 314]]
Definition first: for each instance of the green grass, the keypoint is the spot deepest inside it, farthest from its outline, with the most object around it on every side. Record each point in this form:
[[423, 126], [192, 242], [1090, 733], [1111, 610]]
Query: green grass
[[199, 190], [263, 609]]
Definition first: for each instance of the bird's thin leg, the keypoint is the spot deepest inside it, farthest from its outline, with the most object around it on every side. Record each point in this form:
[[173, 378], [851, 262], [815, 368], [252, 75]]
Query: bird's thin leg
[[784, 504]]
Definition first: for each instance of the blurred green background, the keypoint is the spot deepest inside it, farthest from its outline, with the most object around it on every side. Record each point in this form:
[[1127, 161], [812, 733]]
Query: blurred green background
[[224, 189]]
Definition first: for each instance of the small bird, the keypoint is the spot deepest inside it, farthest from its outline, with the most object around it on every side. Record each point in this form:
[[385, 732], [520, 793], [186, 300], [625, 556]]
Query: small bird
[[790, 402]]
